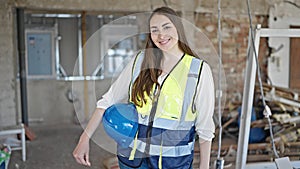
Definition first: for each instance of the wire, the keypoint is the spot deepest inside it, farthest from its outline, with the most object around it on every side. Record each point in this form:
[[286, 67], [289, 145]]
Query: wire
[[219, 94], [260, 83], [292, 3], [165, 2]]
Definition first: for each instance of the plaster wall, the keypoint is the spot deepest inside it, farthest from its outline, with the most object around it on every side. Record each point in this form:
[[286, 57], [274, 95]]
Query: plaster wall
[[282, 16]]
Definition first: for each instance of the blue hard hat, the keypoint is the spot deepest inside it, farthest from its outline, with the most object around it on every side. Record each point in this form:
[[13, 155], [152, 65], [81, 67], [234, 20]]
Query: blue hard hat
[[120, 122]]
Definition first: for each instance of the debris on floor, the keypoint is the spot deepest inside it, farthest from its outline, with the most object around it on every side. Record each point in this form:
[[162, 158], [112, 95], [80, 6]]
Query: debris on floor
[[285, 106], [5, 152]]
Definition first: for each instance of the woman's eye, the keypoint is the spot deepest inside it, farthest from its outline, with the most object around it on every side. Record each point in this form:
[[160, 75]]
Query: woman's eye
[[154, 31], [167, 27]]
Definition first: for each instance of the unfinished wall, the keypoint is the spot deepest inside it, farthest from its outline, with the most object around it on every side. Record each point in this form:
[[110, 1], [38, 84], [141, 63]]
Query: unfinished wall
[[235, 30], [8, 67], [48, 102], [282, 16], [55, 107]]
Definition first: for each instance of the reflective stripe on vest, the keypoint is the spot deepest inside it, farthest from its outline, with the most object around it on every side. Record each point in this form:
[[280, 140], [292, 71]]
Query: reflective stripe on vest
[[173, 127], [171, 147]]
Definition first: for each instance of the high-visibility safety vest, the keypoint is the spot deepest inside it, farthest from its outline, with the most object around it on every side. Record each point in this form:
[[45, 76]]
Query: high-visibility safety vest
[[166, 133]]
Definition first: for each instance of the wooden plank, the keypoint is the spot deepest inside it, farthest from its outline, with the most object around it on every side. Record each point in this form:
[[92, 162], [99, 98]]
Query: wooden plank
[[295, 62]]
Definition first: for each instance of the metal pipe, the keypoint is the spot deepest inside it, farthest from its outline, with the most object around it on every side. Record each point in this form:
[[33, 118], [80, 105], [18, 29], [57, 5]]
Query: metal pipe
[[80, 64], [219, 91], [22, 64], [247, 104], [84, 64], [57, 39]]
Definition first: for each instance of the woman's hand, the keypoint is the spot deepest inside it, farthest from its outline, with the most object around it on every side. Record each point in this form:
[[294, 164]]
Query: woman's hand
[[81, 152]]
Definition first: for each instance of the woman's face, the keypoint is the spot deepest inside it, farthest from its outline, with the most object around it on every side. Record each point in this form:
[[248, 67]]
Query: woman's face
[[163, 32]]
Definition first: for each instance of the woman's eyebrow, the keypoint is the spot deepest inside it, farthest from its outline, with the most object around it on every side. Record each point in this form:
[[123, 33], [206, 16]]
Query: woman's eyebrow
[[165, 24], [161, 25], [153, 27]]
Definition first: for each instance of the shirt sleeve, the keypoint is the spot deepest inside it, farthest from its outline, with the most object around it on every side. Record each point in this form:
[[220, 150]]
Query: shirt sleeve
[[118, 91], [205, 103]]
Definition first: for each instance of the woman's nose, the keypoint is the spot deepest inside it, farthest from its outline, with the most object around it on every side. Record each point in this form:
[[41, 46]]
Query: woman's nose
[[161, 35]]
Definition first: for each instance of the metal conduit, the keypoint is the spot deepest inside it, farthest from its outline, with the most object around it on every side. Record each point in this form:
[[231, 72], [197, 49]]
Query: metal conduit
[[22, 64]]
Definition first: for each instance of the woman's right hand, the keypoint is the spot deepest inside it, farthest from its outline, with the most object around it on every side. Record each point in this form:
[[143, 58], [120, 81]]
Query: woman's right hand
[[81, 152]]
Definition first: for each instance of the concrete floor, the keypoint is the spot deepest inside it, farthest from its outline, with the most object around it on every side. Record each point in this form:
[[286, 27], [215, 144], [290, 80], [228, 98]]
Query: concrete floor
[[53, 148]]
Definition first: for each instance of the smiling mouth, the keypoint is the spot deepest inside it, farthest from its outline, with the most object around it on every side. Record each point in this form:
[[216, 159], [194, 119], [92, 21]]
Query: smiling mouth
[[163, 42]]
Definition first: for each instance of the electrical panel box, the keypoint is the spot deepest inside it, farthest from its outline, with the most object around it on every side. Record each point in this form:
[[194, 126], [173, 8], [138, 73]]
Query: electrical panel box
[[40, 54]]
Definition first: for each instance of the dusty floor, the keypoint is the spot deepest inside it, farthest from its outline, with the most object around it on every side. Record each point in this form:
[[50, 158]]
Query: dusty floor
[[53, 148]]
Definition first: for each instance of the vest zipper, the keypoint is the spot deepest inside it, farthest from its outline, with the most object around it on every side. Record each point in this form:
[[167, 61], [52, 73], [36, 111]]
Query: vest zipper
[[153, 110]]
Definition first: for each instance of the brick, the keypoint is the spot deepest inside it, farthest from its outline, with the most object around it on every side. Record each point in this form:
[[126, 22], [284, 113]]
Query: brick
[[235, 30]]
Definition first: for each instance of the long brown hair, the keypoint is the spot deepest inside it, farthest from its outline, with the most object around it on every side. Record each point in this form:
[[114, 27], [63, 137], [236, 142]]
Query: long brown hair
[[150, 68]]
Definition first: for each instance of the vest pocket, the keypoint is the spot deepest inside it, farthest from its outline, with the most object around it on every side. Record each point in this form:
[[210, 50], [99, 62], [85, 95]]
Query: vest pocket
[[170, 108], [176, 137], [182, 162]]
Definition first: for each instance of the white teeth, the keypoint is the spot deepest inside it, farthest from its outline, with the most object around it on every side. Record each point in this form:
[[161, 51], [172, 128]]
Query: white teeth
[[164, 42]]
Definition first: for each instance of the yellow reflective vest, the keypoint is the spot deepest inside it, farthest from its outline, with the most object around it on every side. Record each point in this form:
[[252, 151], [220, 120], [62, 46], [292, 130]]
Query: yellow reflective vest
[[166, 132]]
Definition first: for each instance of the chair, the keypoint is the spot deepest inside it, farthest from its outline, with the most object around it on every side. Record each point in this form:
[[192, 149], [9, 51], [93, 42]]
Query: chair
[[16, 130]]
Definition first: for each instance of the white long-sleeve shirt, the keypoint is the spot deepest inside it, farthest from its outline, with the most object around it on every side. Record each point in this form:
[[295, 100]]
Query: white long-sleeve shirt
[[204, 100]]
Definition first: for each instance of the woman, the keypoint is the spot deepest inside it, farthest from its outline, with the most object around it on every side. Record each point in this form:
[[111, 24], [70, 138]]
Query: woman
[[174, 95]]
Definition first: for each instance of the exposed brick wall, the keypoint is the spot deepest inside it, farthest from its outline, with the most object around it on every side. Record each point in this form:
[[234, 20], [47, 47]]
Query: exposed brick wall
[[235, 32]]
